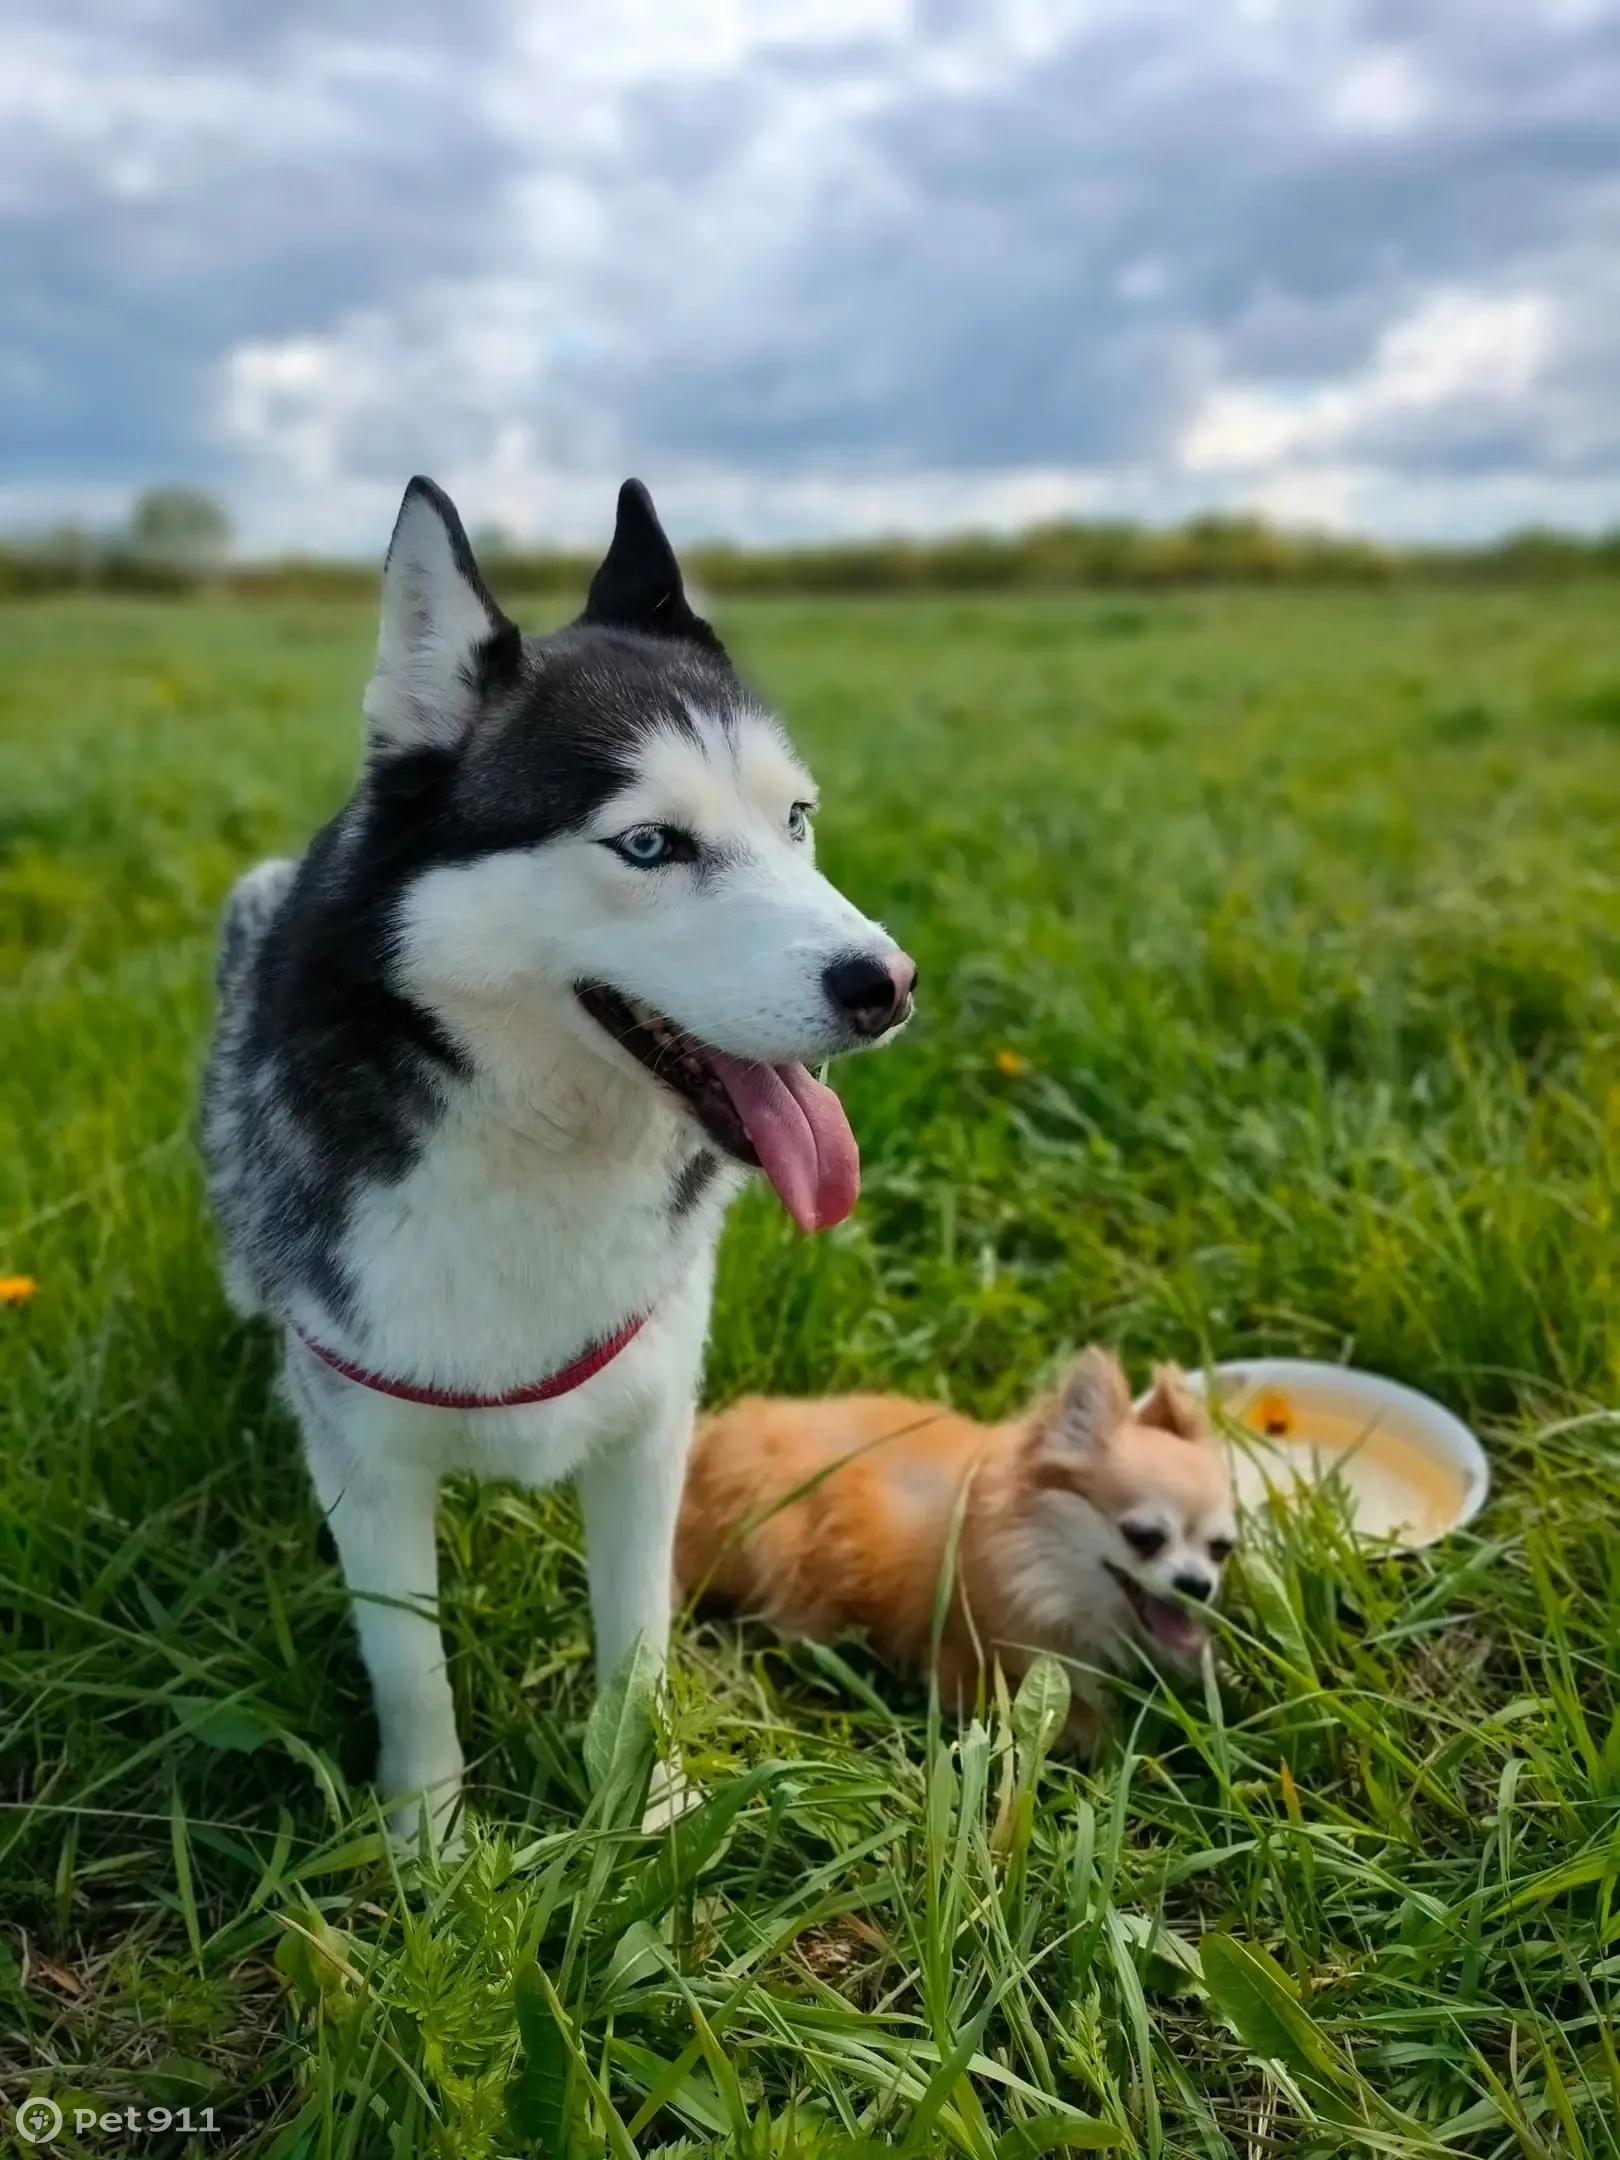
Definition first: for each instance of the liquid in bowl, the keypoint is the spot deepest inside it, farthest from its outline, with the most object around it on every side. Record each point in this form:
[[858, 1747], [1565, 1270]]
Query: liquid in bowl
[[1396, 1490]]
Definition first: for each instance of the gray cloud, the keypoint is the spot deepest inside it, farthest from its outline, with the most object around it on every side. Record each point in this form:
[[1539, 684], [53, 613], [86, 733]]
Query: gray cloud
[[818, 265]]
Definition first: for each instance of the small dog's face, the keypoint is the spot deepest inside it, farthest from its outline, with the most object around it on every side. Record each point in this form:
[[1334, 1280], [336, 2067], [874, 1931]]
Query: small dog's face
[[1144, 1498]]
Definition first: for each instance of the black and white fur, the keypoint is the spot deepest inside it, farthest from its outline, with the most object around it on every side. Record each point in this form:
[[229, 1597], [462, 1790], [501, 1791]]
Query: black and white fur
[[428, 1155]]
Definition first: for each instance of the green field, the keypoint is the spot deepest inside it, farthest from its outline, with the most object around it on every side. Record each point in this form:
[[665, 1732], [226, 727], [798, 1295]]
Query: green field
[[1270, 949]]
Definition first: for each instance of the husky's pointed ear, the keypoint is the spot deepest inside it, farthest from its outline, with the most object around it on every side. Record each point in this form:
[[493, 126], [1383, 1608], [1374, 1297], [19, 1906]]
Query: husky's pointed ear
[[443, 644], [1173, 1407], [1094, 1403], [638, 586]]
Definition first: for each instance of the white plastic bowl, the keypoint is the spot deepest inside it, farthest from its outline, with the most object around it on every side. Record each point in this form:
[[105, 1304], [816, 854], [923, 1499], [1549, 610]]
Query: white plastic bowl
[[1411, 1471]]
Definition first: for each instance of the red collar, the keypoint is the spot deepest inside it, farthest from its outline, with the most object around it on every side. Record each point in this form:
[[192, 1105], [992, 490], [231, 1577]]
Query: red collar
[[547, 1390]]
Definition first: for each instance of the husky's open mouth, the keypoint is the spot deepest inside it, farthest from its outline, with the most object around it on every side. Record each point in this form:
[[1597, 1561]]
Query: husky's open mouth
[[775, 1118], [1163, 1621]]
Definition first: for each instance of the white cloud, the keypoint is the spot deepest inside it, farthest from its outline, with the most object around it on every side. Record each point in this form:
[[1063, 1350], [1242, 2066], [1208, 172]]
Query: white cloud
[[815, 264], [1382, 92], [1455, 348]]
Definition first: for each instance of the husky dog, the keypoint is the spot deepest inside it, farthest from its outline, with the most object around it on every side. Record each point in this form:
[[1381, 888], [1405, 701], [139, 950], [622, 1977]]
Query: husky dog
[[492, 1058]]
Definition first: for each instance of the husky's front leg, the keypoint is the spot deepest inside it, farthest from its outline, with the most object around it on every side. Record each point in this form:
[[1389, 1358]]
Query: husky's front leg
[[630, 1496], [380, 1509]]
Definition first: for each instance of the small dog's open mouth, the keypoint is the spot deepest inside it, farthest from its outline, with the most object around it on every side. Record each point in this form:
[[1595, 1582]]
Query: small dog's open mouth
[[1161, 1620], [775, 1118]]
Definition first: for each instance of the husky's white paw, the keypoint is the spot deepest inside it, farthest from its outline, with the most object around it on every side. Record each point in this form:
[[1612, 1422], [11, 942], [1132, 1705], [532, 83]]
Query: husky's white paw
[[433, 1800], [670, 1795], [446, 1829]]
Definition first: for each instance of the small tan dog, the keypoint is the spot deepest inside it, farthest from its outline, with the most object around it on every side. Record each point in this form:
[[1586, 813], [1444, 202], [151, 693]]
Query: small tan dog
[[1091, 1529]]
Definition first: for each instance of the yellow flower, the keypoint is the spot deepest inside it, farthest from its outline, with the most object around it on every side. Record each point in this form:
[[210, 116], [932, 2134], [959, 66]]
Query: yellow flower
[[1273, 1415], [1010, 1063], [16, 1289]]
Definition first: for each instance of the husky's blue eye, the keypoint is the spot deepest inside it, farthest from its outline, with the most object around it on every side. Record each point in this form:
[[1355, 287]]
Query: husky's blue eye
[[798, 821], [649, 846]]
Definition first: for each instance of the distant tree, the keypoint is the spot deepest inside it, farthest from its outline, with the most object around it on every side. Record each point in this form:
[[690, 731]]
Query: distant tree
[[495, 543], [179, 528]]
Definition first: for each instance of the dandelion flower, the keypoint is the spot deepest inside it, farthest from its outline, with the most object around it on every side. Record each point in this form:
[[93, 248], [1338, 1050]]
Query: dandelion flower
[[1010, 1063], [1273, 1415], [16, 1289]]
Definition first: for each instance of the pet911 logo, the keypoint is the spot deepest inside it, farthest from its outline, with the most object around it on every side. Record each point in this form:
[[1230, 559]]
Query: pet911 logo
[[38, 2119]]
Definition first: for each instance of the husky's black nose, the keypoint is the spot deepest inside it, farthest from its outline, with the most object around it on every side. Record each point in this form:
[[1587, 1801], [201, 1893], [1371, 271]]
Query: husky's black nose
[[1193, 1585], [871, 991]]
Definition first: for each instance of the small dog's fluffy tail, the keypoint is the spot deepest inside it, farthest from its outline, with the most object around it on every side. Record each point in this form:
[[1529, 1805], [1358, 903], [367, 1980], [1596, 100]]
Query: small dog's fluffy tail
[[250, 907]]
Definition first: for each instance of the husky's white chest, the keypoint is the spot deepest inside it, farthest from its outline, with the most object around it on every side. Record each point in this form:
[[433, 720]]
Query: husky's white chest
[[502, 1256]]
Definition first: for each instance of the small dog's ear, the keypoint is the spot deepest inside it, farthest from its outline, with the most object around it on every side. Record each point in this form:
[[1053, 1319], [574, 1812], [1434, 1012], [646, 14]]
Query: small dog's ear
[[1094, 1403], [638, 586], [442, 643], [1173, 1407]]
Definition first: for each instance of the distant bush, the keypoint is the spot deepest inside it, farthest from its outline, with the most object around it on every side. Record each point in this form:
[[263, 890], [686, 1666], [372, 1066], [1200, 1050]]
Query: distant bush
[[177, 540], [179, 529], [1208, 551]]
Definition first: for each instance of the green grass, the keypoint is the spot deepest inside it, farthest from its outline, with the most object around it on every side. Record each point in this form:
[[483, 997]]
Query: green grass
[[1299, 918]]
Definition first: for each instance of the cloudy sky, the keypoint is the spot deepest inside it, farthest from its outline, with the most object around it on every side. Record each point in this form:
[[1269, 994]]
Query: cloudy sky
[[813, 266]]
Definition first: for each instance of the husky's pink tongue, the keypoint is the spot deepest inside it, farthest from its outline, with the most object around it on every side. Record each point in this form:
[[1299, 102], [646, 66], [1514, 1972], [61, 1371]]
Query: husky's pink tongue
[[801, 1136]]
